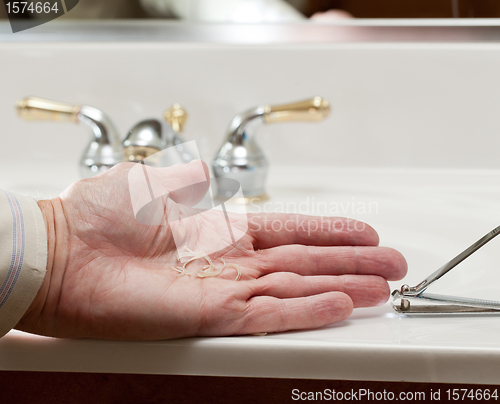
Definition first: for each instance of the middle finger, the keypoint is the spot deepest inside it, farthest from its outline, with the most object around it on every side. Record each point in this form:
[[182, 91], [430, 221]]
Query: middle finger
[[312, 260]]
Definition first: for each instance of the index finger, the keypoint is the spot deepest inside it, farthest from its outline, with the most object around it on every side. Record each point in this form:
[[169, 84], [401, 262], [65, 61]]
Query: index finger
[[276, 229]]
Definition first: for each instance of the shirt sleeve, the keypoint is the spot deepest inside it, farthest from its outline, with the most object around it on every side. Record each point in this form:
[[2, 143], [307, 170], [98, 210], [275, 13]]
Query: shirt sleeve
[[23, 256]]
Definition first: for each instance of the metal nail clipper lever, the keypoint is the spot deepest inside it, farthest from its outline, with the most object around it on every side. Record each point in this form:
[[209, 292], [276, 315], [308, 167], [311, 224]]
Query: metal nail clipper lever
[[413, 300]]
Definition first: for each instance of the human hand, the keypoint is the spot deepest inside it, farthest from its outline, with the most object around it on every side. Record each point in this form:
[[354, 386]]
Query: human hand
[[111, 277]]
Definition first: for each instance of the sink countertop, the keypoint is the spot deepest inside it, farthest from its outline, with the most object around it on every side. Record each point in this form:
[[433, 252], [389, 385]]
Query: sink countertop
[[428, 215]]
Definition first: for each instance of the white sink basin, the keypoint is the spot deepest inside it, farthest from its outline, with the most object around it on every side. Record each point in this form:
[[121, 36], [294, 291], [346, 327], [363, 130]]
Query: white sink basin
[[428, 215]]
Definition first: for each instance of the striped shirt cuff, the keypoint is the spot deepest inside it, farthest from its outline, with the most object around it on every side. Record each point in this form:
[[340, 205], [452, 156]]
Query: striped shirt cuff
[[23, 256]]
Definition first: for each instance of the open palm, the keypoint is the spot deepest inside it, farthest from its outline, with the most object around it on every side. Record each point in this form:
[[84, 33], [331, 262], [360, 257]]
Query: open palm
[[111, 277]]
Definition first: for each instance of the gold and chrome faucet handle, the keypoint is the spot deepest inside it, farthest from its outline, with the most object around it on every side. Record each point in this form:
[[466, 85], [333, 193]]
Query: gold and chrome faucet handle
[[39, 109], [314, 109], [176, 116], [104, 150], [240, 158]]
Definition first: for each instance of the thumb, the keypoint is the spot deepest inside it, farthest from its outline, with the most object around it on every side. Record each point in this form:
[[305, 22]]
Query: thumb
[[189, 183], [183, 183]]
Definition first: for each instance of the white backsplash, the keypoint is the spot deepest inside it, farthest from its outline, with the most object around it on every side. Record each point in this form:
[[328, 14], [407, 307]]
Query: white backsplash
[[393, 105]]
